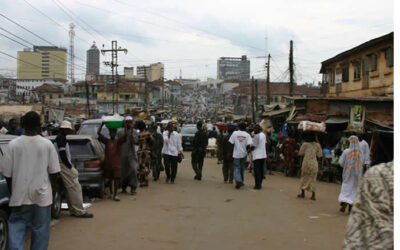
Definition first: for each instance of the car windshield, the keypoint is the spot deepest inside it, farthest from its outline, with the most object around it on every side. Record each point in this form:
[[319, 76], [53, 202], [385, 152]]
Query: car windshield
[[91, 129], [80, 148], [188, 130]]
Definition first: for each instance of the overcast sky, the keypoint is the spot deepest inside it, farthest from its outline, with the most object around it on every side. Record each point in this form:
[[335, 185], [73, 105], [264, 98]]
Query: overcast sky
[[191, 35]]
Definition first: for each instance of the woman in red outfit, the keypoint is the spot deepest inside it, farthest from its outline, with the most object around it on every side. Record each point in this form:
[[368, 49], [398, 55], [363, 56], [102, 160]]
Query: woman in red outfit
[[112, 161]]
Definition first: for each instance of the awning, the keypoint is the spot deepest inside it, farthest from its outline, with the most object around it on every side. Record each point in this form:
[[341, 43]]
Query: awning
[[337, 120]]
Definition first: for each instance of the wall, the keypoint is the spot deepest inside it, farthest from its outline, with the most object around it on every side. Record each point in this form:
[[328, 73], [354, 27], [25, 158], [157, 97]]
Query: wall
[[379, 80]]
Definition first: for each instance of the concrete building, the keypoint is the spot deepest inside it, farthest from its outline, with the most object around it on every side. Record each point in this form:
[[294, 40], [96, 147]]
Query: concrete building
[[43, 62], [365, 70], [8, 85], [233, 68], [47, 92], [93, 87], [93, 60], [25, 86], [153, 72]]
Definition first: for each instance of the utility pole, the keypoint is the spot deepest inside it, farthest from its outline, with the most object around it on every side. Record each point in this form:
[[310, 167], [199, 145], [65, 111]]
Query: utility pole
[[114, 70], [71, 55], [146, 91], [267, 82], [256, 94], [87, 98], [291, 70], [253, 115]]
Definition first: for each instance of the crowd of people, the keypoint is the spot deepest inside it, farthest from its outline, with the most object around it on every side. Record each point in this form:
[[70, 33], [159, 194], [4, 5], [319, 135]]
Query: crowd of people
[[32, 165]]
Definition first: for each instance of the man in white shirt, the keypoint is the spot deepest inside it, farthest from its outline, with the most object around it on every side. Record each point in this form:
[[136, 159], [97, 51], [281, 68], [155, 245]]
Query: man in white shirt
[[30, 167], [172, 147], [259, 156], [241, 141], [365, 153]]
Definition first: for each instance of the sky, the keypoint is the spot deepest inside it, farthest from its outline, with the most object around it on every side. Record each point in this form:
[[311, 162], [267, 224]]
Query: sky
[[189, 36]]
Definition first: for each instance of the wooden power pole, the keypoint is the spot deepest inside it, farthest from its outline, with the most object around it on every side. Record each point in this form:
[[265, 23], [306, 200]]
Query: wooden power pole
[[256, 94], [291, 70], [268, 94], [252, 99], [87, 99]]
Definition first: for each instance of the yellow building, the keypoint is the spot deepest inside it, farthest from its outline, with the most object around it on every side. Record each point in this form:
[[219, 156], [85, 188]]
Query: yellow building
[[153, 72], [127, 93], [43, 62], [366, 70]]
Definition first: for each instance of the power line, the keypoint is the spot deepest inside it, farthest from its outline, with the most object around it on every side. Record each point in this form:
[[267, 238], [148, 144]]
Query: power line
[[14, 40], [22, 27]]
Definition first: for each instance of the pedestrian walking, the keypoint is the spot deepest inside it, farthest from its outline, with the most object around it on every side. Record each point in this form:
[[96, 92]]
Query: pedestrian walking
[[129, 176], [241, 141], [227, 151], [364, 147], [69, 174], [112, 161], [171, 149], [200, 143], [155, 162], [145, 144], [310, 150], [288, 148], [259, 156], [351, 161], [31, 168], [370, 224]]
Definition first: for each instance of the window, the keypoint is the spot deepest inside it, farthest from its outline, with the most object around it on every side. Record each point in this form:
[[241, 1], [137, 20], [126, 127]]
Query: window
[[345, 73], [331, 77], [389, 57], [370, 62], [356, 70]]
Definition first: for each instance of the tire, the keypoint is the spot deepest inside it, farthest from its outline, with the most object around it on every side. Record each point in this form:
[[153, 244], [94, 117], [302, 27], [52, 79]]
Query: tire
[[3, 230], [56, 206]]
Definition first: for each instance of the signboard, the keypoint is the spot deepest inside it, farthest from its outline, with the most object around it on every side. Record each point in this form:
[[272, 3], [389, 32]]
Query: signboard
[[357, 117]]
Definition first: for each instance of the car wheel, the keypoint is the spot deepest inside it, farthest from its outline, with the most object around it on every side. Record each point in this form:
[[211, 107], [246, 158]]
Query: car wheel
[[56, 206], [3, 230]]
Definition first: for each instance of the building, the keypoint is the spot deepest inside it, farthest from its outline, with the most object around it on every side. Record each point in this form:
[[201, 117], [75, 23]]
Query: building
[[233, 68], [279, 92], [43, 62], [153, 72], [128, 95], [24, 87], [188, 84], [93, 87], [8, 86], [93, 60], [365, 70], [47, 92]]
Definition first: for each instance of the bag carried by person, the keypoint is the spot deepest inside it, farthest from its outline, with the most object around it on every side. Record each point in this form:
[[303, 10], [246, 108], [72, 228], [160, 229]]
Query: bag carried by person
[[180, 157]]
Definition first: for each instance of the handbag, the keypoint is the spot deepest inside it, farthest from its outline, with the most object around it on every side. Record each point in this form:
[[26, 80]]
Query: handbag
[[180, 158]]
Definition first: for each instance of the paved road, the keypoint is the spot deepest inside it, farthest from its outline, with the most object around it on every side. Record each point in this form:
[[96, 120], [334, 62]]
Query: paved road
[[209, 215]]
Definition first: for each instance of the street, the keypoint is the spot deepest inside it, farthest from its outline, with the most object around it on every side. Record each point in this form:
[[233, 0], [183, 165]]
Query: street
[[209, 214]]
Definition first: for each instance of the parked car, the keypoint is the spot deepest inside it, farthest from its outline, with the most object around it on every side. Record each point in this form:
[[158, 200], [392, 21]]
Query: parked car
[[187, 134], [88, 157]]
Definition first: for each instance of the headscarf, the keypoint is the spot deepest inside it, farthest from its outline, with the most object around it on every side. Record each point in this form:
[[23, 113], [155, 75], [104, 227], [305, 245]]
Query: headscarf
[[353, 159]]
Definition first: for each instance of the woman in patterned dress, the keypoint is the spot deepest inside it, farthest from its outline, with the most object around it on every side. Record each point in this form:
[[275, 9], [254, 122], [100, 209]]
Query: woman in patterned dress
[[309, 168], [351, 161], [144, 153]]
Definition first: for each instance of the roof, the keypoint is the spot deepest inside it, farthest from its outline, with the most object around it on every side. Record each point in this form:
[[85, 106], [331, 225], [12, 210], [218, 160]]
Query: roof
[[48, 88], [90, 83], [382, 39], [276, 88], [342, 98], [122, 87]]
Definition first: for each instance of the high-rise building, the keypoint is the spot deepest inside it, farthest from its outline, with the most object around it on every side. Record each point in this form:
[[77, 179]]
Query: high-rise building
[[154, 71], [233, 68], [93, 60], [43, 62]]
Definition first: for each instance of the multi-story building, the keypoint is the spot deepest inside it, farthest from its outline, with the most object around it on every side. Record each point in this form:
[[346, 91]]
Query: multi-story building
[[25, 86], [47, 92], [93, 60], [365, 70], [153, 72], [43, 62], [233, 68], [8, 85], [93, 87]]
